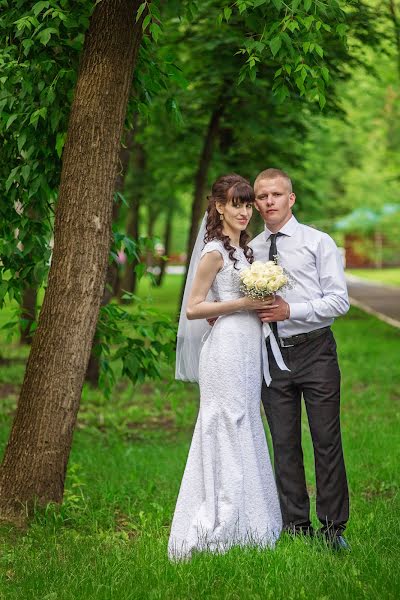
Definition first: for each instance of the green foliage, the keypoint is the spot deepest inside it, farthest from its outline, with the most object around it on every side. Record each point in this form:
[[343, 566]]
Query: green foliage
[[293, 37], [38, 63], [142, 340]]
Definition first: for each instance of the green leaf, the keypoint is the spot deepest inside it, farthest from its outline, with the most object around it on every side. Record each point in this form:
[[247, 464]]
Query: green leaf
[[325, 74], [319, 50], [227, 13], [140, 11], [308, 21], [44, 36], [60, 141], [155, 31], [341, 30], [140, 270], [146, 22], [39, 6], [307, 4], [11, 178], [11, 120], [26, 169], [21, 141], [275, 45]]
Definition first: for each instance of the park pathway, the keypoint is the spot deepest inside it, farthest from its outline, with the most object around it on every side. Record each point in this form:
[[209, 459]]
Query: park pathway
[[375, 298]]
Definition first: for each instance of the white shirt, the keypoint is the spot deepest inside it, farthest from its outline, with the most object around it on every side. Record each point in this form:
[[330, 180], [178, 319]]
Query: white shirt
[[313, 260]]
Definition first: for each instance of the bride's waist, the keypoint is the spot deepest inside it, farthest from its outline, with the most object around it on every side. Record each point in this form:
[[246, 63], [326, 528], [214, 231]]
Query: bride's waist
[[241, 318]]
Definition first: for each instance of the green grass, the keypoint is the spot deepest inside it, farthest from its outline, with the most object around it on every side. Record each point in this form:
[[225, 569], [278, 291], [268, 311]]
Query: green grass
[[108, 540], [389, 276]]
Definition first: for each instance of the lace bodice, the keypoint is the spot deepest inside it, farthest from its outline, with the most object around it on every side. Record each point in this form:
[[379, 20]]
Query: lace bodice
[[227, 281]]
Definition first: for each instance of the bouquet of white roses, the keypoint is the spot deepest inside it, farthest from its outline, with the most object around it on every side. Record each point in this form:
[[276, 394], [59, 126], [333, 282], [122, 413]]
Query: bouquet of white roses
[[263, 279]]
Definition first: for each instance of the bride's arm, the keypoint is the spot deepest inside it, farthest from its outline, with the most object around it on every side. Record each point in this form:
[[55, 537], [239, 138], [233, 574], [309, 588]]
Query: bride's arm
[[198, 308]]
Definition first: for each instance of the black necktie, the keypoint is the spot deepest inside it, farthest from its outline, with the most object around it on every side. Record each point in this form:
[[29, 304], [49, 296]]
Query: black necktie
[[272, 255]]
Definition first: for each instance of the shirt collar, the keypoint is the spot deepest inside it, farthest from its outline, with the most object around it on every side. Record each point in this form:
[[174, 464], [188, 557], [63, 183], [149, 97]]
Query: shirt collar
[[288, 229]]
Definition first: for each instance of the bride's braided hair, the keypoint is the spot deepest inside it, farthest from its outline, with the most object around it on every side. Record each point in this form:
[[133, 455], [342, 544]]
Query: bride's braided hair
[[231, 187]]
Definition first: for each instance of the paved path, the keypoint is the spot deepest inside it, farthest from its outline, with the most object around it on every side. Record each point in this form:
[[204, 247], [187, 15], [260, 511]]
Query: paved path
[[380, 300]]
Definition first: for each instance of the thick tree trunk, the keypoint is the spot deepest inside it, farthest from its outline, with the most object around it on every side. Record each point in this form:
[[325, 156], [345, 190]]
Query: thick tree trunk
[[28, 314], [198, 204], [37, 452], [167, 245]]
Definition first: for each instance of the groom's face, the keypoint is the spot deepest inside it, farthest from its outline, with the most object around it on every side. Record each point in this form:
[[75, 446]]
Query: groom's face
[[274, 201]]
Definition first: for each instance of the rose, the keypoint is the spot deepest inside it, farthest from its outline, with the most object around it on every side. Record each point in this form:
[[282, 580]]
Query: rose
[[257, 268], [262, 283]]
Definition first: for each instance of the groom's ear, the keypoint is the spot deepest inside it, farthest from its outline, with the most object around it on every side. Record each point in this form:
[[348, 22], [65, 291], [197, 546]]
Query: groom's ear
[[292, 199], [256, 206]]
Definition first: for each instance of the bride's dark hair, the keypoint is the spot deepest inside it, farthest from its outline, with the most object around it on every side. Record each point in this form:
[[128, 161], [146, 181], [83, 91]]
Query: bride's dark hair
[[234, 188]]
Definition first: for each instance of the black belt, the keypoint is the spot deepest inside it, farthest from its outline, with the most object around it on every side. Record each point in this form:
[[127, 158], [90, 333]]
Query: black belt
[[294, 340]]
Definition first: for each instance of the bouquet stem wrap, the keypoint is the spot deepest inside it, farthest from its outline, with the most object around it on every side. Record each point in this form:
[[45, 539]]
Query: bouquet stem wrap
[[267, 333]]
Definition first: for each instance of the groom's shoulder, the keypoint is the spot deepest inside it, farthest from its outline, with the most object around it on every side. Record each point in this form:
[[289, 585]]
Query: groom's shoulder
[[310, 232]]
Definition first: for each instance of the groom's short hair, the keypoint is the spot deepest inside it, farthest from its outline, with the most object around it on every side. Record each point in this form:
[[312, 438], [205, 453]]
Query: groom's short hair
[[273, 174]]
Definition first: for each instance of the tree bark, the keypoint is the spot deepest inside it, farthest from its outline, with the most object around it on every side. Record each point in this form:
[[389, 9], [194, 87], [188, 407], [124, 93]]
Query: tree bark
[[129, 280], [37, 452], [198, 204], [112, 277], [28, 313], [124, 158]]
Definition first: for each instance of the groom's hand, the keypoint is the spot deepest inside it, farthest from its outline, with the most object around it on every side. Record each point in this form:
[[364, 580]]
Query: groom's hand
[[278, 311]]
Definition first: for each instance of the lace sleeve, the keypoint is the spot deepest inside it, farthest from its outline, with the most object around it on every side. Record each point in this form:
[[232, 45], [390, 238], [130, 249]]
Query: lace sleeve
[[216, 245]]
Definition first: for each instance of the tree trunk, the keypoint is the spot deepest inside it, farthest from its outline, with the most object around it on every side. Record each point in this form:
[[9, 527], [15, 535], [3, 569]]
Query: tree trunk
[[167, 245], [152, 214], [28, 313], [124, 158], [129, 280], [198, 204], [37, 452], [112, 277]]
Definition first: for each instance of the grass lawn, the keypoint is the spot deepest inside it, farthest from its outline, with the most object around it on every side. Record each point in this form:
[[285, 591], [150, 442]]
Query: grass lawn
[[389, 276], [108, 540]]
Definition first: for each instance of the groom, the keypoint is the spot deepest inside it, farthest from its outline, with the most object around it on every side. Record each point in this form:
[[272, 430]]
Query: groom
[[302, 323]]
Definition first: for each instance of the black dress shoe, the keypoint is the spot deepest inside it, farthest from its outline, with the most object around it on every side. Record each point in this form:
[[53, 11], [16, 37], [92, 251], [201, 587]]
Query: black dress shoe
[[339, 542], [336, 541]]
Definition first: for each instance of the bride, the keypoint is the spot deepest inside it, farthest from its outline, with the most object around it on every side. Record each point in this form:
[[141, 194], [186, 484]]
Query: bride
[[227, 495]]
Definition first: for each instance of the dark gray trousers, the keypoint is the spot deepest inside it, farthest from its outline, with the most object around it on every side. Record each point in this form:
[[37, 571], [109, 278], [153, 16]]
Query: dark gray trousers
[[314, 373]]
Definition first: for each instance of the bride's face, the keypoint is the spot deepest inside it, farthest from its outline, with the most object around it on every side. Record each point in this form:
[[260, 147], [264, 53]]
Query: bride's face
[[236, 214]]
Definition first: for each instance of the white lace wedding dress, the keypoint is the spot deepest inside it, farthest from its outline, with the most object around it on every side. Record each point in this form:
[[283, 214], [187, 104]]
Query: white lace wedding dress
[[228, 495]]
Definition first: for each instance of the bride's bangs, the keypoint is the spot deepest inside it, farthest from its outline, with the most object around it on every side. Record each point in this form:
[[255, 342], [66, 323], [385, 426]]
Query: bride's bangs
[[241, 193]]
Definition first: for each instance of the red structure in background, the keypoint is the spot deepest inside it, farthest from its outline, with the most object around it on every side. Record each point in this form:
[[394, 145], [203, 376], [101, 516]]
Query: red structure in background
[[381, 252], [354, 258]]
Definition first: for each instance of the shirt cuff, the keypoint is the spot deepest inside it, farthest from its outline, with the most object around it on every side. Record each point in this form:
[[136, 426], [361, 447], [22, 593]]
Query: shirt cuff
[[299, 311]]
